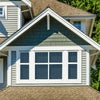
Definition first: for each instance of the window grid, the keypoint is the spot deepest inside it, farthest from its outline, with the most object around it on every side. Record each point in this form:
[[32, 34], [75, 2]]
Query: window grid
[[72, 63], [24, 64], [32, 63], [49, 63]]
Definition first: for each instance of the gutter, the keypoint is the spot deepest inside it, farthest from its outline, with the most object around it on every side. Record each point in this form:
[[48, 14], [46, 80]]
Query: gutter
[[80, 16]]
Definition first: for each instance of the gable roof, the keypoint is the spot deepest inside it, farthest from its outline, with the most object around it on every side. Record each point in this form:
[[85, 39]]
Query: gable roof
[[57, 17], [60, 8]]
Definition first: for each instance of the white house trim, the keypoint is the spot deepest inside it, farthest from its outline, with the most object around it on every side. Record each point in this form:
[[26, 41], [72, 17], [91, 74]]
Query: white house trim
[[19, 17], [9, 69], [28, 2], [1, 70], [64, 69], [57, 17], [14, 48]]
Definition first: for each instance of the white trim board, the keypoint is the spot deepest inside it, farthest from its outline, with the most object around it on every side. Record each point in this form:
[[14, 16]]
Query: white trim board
[[80, 47], [57, 17], [1, 70], [28, 2]]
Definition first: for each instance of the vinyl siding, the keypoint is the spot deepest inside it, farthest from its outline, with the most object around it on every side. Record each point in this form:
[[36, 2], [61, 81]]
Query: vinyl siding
[[4, 84], [83, 81], [58, 35], [10, 25]]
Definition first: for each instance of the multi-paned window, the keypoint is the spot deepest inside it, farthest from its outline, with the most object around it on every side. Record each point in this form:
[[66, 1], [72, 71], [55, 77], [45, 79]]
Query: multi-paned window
[[72, 65], [24, 65], [49, 66], [1, 11]]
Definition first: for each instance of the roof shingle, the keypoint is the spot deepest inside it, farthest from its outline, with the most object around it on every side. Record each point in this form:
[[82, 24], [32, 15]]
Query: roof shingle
[[50, 93], [60, 8]]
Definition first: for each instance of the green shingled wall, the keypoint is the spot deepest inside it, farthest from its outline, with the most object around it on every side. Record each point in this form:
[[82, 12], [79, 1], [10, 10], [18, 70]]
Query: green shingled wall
[[58, 35]]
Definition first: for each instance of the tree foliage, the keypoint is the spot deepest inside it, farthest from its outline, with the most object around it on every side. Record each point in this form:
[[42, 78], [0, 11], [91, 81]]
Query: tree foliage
[[92, 6]]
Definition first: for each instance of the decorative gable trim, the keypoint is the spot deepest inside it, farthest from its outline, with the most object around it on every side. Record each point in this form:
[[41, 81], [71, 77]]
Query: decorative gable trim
[[57, 17]]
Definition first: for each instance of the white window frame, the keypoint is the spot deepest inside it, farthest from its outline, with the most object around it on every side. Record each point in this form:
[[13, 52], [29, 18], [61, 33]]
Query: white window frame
[[83, 24], [48, 63], [64, 69], [4, 15]]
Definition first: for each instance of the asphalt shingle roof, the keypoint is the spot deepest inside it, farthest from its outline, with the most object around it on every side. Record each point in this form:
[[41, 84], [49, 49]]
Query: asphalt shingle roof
[[49, 93], [60, 8]]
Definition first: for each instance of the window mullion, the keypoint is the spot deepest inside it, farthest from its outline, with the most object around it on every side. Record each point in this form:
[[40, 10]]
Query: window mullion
[[48, 66]]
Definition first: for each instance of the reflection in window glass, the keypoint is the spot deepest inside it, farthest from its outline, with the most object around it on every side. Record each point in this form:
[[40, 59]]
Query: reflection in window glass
[[72, 71], [72, 57], [77, 24], [55, 71], [24, 72], [55, 56], [24, 57], [41, 57], [41, 71]]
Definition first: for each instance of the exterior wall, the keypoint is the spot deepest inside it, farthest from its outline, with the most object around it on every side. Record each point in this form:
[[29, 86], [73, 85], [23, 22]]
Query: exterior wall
[[13, 71], [4, 73], [58, 35], [10, 25]]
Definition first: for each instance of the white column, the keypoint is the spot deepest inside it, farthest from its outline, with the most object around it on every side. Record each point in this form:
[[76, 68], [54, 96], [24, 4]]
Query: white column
[[87, 68], [9, 69]]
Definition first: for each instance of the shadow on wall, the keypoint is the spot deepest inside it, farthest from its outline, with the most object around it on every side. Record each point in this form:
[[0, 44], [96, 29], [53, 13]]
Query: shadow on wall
[[3, 30]]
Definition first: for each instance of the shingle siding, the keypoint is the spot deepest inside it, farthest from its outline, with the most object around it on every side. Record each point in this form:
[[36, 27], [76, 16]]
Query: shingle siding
[[10, 25], [58, 35]]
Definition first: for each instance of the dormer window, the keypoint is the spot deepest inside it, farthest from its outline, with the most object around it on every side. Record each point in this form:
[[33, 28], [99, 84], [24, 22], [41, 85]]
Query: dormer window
[[77, 24], [1, 11]]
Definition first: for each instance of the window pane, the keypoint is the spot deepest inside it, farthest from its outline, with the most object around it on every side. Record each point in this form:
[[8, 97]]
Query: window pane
[[77, 24], [24, 57], [24, 72], [41, 57], [55, 56], [1, 9], [72, 56], [72, 71], [41, 71], [0, 13], [55, 72]]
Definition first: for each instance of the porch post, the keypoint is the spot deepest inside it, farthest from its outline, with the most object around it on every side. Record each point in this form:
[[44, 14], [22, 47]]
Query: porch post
[[9, 69]]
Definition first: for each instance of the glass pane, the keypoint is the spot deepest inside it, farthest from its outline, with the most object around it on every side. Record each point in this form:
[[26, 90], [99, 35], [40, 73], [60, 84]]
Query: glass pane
[[1, 9], [41, 57], [41, 71], [77, 24], [72, 56], [55, 72], [0, 13], [72, 71], [55, 56], [24, 72], [24, 57]]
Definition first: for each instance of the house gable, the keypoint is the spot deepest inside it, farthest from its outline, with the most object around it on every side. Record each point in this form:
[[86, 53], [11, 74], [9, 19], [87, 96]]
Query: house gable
[[50, 12], [58, 35]]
